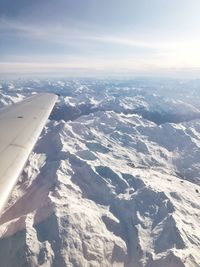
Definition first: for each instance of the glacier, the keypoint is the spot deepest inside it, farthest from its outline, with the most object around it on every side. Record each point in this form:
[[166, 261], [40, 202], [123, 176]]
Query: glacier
[[113, 180]]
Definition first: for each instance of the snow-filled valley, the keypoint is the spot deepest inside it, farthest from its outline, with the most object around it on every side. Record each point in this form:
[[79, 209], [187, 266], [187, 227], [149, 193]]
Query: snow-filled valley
[[114, 179]]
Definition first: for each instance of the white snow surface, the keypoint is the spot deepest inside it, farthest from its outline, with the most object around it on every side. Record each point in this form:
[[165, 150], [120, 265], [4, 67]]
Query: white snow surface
[[106, 189]]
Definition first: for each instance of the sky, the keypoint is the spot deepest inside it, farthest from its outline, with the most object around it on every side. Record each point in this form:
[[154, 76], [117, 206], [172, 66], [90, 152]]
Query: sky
[[100, 37]]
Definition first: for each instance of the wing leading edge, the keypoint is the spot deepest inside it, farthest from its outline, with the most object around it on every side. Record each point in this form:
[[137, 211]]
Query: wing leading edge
[[20, 127]]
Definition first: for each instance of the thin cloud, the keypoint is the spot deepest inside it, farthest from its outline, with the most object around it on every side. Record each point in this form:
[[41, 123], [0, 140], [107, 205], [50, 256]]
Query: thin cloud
[[161, 54]]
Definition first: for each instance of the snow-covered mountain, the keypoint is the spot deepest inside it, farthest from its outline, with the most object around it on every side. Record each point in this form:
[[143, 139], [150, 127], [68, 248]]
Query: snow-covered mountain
[[113, 181]]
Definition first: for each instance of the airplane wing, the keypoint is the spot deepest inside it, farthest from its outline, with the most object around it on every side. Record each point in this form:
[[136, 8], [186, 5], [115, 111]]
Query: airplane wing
[[20, 127]]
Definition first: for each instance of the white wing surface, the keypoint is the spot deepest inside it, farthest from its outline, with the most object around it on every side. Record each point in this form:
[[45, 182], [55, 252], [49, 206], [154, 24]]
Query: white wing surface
[[20, 127]]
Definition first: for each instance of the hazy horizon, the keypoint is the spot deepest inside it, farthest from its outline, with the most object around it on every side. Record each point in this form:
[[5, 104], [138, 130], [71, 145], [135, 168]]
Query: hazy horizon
[[100, 38]]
